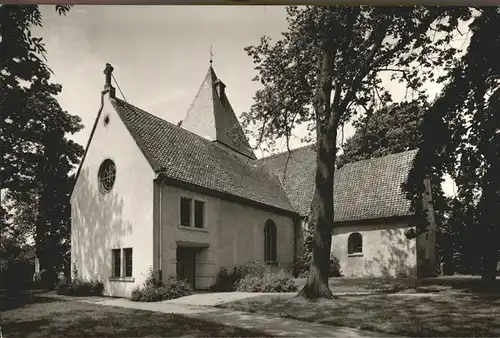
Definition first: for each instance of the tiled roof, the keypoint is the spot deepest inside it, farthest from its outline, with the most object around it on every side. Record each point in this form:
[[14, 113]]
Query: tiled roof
[[211, 116], [366, 189], [184, 156], [300, 172]]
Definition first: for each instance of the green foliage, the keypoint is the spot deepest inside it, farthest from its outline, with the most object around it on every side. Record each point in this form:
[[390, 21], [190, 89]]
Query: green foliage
[[269, 282], [461, 138], [253, 268], [361, 43], [79, 287], [327, 67], [154, 290], [16, 265], [389, 130], [226, 282], [38, 157]]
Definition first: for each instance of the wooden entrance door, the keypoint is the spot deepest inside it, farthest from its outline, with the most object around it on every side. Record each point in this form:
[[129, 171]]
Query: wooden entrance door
[[186, 265]]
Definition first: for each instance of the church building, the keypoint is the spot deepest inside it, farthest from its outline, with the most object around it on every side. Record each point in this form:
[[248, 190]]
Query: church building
[[189, 199]]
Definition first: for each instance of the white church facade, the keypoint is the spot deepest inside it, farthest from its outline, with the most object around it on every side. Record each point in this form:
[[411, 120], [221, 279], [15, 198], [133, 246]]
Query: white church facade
[[188, 200]]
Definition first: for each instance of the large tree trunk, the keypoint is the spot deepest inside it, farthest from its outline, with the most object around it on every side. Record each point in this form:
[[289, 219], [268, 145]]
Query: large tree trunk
[[322, 218]]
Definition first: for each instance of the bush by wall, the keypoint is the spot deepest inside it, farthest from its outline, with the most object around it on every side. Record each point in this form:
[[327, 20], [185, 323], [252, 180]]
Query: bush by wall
[[253, 276], [80, 287], [226, 282], [269, 282], [155, 290]]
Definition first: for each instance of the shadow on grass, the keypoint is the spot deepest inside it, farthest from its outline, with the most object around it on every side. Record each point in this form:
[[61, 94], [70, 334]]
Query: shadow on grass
[[443, 315], [463, 284], [21, 300], [468, 284], [42, 317]]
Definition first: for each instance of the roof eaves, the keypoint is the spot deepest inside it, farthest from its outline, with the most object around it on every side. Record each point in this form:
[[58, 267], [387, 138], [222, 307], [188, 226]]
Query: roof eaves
[[226, 196], [92, 131]]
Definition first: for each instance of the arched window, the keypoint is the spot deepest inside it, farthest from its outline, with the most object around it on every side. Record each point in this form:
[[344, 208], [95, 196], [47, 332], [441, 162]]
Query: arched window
[[270, 242], [355, 243], [107, 175]]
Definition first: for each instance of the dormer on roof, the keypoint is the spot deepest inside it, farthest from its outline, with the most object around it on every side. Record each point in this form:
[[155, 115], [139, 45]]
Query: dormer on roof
[[211, 116]]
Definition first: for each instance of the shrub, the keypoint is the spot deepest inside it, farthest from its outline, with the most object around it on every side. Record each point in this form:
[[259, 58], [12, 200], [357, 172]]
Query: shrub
[[268, 282], [80, 287], [155, 290], [226, 282], [252, 268], [334, 267], [300, 267]]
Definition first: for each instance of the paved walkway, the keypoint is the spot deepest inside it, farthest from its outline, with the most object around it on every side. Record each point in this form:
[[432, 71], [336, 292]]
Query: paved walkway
[[275, 326]]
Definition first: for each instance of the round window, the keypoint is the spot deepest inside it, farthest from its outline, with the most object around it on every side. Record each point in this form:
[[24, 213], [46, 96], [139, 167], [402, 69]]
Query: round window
[[107, 175]]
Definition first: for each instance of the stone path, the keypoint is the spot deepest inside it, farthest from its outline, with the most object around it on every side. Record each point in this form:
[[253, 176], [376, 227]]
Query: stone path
[[275, 326], [217, 298]]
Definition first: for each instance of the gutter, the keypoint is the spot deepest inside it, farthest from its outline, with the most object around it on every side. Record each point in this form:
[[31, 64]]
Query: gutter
[[160, 230]]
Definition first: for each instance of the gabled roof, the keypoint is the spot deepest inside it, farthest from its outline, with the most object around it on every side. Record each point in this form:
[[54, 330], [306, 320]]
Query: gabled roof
[[186, 157], [211, 116], [368, 189]]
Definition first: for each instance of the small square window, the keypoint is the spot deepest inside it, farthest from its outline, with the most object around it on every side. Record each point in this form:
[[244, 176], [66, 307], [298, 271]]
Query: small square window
[[199, 213], [186, 211], [116, 263], [127, 257]]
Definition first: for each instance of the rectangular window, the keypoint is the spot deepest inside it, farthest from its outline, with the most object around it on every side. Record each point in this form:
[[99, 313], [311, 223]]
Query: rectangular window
[[185, 211], [117, 264], [199, 211], [127, 257]]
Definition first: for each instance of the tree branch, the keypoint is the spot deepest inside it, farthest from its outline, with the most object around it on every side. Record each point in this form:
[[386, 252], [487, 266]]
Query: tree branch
[[373, 63]]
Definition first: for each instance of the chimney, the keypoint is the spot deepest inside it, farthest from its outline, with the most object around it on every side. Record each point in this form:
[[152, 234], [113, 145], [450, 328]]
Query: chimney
[[107, 84], [219, 87]]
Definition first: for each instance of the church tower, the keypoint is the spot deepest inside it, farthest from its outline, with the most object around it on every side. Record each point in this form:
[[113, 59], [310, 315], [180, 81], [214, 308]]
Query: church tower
[[211, 116]]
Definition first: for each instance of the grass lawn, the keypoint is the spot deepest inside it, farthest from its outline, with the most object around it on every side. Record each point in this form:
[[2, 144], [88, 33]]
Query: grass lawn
[[360, 284], [42, 317], [444, 314], [389, 284]]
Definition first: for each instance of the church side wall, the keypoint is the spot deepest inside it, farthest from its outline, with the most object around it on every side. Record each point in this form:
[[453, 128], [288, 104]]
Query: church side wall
[[386, 250], [241, 236], [121, 218], [233, 234]]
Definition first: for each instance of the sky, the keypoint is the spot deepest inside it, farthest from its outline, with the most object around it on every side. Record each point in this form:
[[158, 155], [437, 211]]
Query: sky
[[160, 56]]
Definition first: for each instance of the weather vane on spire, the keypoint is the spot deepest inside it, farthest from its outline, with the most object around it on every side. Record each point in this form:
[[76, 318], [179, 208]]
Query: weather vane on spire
[[211, 55]]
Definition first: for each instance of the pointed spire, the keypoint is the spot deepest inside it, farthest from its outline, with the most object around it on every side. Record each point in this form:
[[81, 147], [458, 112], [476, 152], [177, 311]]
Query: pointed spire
[[211, 116], [211, 56]]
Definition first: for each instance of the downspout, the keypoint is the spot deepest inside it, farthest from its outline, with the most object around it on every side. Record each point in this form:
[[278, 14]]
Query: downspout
[[160, 231]]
